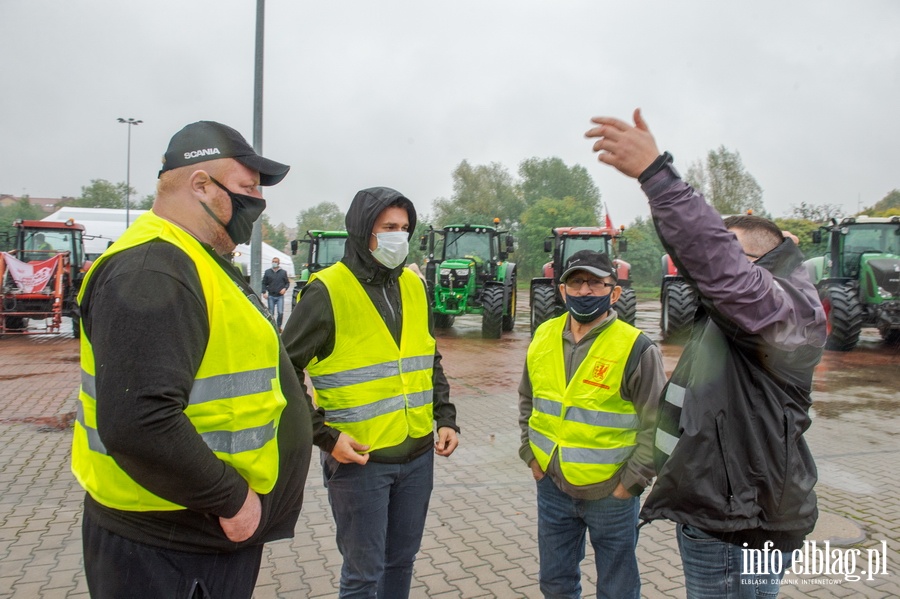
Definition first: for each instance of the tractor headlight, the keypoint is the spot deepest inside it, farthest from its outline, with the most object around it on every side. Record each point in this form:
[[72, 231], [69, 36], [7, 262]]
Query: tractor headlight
[[445, 272], [462, 272]]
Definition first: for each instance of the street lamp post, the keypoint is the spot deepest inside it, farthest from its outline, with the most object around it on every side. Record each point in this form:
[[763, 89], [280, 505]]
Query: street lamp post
[[128, 122]]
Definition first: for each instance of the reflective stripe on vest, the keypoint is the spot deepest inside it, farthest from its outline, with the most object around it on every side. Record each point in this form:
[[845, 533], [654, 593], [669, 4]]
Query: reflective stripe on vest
[[371, 389], [365, 374], [673, 402], [235, 403], [249, 439], [585, 419]]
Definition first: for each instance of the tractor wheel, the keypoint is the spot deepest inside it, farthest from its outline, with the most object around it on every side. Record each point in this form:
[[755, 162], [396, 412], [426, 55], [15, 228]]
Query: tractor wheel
[[891, 336], [443, 321], [16, 323], [492, 316], [509, 319], [627, 305], [678, 306], [843, 315], [543, 305]]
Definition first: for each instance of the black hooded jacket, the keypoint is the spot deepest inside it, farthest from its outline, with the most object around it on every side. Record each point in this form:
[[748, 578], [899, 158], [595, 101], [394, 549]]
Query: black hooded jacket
[[309, 332]]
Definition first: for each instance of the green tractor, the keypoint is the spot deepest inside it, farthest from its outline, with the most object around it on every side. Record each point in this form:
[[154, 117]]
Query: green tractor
[[325, 249], [858, 278], [467, 271]]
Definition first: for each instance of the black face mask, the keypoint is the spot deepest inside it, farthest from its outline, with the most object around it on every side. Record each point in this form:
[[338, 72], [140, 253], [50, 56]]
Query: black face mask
[[587, 308], [244, 212]]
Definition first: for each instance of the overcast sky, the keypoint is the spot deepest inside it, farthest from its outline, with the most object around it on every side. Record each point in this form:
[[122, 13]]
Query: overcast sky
[[397, 92]]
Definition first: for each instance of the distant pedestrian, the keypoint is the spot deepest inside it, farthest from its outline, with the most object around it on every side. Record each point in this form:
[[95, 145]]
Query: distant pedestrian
[[734, 471], [275, 283], [587, 412], [192, 438]]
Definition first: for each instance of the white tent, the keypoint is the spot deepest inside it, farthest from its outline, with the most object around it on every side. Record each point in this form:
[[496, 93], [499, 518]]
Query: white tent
[[102, 226]]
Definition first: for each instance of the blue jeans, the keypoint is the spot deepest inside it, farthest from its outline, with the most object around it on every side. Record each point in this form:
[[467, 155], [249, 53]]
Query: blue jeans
[[713, 569], [276, 301], [612, 524], [379, 511]]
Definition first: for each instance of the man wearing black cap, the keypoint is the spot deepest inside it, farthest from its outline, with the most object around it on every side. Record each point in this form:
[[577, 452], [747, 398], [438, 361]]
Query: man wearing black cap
[[587, 411], [192, 438]]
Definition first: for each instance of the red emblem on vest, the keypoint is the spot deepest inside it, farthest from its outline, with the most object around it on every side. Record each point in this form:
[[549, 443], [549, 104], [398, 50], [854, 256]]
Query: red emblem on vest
[[600, 370]]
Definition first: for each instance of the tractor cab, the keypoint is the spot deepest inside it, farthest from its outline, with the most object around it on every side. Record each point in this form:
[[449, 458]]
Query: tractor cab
[[545, 300], [325, 248]]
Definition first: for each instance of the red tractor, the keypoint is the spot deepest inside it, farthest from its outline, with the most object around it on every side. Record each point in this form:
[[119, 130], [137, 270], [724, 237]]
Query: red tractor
[[546, 301], [41, 276]]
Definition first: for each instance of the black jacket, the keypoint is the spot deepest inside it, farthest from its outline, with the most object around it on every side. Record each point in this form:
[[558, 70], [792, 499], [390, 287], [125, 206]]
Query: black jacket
[[738, 401], [275, 281], [309, 331]]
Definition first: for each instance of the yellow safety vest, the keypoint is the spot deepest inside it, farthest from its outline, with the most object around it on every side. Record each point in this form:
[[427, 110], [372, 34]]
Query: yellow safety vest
[[586, 421], [371, 389], [236, 400]]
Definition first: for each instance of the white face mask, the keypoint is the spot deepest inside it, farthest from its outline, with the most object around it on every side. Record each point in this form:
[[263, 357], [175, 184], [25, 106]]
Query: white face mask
[[275, 265], [393, 247]]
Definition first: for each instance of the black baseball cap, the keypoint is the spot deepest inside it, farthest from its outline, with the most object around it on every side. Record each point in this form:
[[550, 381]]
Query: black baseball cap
[[207, 140], [596, 263]]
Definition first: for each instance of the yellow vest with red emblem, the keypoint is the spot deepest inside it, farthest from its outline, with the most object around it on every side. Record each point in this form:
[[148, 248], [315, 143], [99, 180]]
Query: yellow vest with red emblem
[[586, 421]]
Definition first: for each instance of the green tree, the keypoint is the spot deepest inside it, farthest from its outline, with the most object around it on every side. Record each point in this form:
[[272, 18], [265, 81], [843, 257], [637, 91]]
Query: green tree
[[644, 253], [480, 194], [889, 205], [551, 178], [101, 194], [819, 213], [21, 209], [555, 195], [538, 222], [146, 203], [324, 216], [274, 235], [727, 186]]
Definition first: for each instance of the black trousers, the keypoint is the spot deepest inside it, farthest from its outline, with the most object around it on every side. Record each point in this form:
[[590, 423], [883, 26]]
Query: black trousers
[[116, 567]]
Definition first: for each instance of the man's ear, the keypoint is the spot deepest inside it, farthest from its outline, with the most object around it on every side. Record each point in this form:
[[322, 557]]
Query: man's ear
[[199, 184], [615, 295], [562, 291]]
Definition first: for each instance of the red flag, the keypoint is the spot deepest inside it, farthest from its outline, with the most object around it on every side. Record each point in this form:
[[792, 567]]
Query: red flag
[[609, 224]]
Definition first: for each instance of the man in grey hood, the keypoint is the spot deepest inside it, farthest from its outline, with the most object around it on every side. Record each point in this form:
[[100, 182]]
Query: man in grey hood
[[363, 331]]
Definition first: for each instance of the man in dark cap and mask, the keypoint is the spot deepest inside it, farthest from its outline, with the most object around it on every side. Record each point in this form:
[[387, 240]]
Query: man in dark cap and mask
[[587, 413], [192, 439], [363, 330]]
